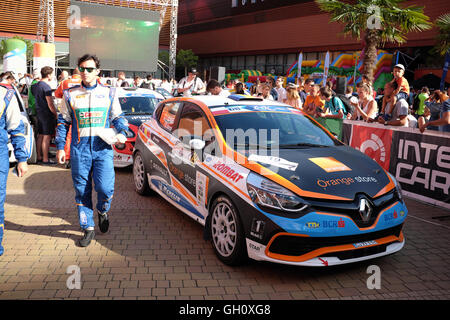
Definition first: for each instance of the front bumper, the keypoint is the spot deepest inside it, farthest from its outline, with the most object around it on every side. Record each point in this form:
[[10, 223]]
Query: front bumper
[[325, 239], [334, 256]]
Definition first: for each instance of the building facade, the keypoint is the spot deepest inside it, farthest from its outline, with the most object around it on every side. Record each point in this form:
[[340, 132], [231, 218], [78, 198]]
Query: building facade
[[267, 35]]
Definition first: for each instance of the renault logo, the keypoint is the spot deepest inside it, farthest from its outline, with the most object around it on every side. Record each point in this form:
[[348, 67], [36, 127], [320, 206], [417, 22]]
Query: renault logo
[[365, 209]]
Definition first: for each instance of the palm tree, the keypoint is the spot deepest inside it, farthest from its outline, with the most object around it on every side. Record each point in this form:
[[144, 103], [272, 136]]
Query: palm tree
[[380, 21], [443, 38]]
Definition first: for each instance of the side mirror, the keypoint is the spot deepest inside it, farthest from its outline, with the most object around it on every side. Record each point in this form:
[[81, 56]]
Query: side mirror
[[197, 144]]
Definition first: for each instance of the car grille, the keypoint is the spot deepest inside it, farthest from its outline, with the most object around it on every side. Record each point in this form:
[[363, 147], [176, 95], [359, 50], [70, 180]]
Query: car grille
[[296, 246], [351, 209]]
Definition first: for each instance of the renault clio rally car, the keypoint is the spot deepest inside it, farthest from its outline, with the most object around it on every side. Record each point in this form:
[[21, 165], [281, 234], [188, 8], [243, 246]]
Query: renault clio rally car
[[138, 106], [268, 182]]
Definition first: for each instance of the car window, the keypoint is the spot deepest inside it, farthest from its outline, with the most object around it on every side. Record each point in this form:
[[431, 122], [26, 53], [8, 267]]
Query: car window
[[272, 129], [138, 105], [192, 123], [168, 115]]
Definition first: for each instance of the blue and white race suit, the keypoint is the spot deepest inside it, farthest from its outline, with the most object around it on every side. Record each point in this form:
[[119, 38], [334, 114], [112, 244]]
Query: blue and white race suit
[[10, 123], [90, 110]]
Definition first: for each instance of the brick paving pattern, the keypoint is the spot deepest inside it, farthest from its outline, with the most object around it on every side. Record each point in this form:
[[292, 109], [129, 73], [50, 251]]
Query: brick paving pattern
[[154, 251]]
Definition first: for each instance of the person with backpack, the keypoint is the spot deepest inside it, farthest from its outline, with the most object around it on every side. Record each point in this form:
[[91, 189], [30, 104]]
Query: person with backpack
[[419, 102], [334, 108]]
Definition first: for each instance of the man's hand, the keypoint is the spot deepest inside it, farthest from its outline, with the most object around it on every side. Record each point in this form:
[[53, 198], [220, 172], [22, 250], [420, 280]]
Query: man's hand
[[121, 138], [61, 156], [22, 168]]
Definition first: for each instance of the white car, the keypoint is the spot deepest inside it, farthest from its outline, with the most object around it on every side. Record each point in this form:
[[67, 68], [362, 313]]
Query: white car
[[29, 133]]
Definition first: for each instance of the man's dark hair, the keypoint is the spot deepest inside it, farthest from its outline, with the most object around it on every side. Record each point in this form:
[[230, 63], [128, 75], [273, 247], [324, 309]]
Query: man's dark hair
[[46, 71], [308, 81], [149, 77], [326, 92], [212, 84], [88, 57], [393, 85], [271, 80]]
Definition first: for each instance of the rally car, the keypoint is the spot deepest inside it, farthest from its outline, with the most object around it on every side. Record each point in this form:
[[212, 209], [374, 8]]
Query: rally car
[[138, 105], [30, 141], [268, 182]]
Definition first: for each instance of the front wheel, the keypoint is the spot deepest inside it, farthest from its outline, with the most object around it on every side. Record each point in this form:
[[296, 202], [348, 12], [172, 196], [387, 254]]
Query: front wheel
[[140, 175], [227, 233]]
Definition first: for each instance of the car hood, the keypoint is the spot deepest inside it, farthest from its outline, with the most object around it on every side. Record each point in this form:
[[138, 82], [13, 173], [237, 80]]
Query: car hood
[[339, 171], [137, 119]]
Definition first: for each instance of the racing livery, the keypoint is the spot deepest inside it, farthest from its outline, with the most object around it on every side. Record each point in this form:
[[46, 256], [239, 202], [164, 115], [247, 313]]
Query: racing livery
[[268, 182], [137, 105]]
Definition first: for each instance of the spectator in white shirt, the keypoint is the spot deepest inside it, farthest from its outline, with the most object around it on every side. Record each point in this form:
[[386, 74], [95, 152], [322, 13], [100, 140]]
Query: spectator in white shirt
[[215, 89]]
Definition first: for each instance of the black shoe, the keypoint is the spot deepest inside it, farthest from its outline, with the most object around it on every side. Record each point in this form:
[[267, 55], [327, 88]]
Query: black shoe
[[103, 222], [86, 240]]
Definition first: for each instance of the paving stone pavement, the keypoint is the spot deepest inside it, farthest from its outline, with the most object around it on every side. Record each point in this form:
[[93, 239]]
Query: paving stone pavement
[[153, 251]]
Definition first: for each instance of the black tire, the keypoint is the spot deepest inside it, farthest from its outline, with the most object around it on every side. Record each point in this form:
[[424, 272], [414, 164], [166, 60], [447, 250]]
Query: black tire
[[227, 233], [140, 175], [33, 157]]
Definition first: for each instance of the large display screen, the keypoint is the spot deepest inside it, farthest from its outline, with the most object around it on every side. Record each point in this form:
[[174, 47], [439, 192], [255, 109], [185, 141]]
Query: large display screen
[[122, 38]]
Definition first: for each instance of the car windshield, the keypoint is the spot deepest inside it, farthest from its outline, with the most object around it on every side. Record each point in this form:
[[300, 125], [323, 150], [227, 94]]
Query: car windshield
[[270, 129], [138, 105]]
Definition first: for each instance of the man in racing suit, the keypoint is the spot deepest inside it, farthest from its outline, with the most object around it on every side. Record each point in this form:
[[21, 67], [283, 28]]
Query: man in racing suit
[[10, 123], [91, 108]]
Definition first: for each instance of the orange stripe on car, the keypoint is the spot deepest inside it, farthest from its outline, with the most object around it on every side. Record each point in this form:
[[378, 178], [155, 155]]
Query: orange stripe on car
[[180, 188], [321, 251]]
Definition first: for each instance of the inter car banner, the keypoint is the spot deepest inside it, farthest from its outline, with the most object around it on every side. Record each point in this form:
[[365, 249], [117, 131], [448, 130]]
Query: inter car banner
[[419, 161]]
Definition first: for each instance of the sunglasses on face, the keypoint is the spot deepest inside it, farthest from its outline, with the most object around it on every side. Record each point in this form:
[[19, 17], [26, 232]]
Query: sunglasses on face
[[89, 70]]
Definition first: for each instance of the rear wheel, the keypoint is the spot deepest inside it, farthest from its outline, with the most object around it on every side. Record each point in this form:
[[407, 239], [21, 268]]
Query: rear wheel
[[227, 233], [140, 175]]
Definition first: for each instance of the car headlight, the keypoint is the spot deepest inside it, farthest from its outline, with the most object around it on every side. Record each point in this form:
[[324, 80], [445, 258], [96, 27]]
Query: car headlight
[[269, 194], [398, 187]]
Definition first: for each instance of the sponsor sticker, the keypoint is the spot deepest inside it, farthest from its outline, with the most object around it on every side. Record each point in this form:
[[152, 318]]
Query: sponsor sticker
[[274, 161], [330, 164], [312, 225], [365, 244]]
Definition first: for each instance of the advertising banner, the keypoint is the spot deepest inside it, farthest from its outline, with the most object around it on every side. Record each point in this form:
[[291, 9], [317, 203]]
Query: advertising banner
[[374, 142], [43, 55], [15, 58], [419, 161]]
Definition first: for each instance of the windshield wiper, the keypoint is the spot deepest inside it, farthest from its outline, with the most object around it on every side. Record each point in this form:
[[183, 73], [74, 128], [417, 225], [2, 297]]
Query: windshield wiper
[[295, 145], [138, 113], [246, 145]]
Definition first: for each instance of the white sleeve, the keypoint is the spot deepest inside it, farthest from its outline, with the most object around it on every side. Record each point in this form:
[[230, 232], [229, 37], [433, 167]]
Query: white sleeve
[[13, 117]]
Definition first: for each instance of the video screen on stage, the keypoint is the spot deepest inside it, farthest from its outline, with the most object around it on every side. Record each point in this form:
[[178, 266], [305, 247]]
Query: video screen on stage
[[123, 38]]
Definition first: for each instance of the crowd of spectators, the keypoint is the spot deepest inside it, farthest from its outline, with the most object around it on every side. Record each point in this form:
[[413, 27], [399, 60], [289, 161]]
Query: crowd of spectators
[[397, 104]]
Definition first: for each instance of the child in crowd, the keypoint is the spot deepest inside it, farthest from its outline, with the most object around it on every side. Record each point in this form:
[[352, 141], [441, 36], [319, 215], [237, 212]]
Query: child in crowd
[[402, 91]]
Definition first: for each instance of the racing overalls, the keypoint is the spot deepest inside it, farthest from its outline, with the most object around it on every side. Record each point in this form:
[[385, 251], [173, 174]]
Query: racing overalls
[[10, 123], [89, 110]]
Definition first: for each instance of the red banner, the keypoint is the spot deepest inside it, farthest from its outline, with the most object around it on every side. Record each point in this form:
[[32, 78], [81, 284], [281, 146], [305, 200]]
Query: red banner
[[374, 142]]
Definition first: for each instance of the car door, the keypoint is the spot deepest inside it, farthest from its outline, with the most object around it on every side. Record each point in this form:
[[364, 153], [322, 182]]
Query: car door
[[192, 127]]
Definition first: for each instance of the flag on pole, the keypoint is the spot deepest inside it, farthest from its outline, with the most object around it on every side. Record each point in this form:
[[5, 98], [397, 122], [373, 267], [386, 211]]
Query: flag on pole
[[325, 68], [299, 65], [445, 70]]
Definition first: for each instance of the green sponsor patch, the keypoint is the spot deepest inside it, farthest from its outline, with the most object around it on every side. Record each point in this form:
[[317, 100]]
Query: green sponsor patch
[[88, 118]]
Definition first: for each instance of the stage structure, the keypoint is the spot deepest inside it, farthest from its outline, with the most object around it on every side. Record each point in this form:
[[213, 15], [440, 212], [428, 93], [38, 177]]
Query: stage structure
[[46, 20]]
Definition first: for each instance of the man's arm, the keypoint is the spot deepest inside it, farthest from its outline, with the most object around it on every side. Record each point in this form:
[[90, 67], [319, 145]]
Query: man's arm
[[64, 121], [117, 117], [16, 130], [439, 122], [401, 121]]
